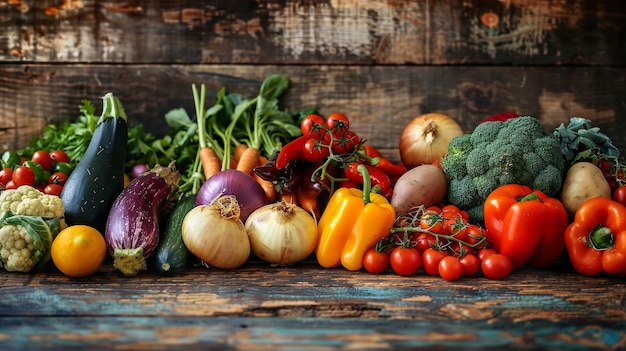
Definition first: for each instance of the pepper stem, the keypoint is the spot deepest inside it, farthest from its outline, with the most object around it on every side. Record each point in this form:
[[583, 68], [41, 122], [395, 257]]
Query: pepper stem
[[601, 238], [530, 197], [367, 183]]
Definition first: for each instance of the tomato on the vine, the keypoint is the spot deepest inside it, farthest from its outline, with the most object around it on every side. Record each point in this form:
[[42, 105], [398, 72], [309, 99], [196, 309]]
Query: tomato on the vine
[[23, 175], [450, 268], [313, 126], [405, 261], [314, 151], [375, 261], [345, 143], [338, 124], [431, 259], [470, 264], [619, 194], [5, 175], [44, 159], [496, 266], [432, 220], [424, 241]]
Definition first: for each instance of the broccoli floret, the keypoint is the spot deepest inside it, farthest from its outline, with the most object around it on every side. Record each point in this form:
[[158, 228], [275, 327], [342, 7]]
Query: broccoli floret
[[485, 132], [517, 151], [462, 192], [549, 180], [459, 148], [477, 162]]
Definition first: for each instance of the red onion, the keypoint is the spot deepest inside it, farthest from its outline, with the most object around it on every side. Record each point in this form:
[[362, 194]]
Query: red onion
[[244, 187]]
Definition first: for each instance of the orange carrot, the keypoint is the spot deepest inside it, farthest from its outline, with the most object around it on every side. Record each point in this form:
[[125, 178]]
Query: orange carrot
[[308, 203], [248, 160], [211, 163], [268, 187], [239, 149]]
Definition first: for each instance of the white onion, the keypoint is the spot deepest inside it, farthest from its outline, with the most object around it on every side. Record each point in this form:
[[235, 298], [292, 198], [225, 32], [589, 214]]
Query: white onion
[[425, 139], [282, 233], [215, 234]]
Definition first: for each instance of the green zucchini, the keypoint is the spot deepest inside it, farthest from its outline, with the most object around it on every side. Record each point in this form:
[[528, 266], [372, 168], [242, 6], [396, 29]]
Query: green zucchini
[[171, 255], [98, 178]]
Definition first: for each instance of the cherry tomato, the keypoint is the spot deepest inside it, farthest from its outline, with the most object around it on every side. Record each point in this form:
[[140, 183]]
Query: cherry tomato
[[484, 253], [619, 195], [496, 266], [43, 158], [375, 261], [314, 151], [59, 156], [57, 178], [313, 126], [431, 259], [5, 175], [405, 261], [346, 143], [473, 234], [10, 185], [432, 220], [338, 124], [424, 241], [53, 189], [450, 268], [23, 175], [470, 264]]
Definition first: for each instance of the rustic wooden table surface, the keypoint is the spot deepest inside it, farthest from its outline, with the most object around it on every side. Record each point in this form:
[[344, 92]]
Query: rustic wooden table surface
[[306, 307]]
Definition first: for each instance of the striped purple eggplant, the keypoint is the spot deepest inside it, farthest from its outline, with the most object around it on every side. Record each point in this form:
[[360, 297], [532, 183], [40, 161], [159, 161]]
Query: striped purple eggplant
[[132, 228]]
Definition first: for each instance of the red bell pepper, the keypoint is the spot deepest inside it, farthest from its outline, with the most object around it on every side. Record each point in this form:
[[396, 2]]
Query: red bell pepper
[[596, 239], [525, 225]]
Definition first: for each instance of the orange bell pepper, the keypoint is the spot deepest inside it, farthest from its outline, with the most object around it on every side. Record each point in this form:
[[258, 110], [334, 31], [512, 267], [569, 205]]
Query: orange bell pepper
[[525, 225], [596, 239], [352, 222]]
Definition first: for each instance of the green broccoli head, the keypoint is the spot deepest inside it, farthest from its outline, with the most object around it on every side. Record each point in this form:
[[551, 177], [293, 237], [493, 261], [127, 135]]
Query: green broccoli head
[[518, 151]]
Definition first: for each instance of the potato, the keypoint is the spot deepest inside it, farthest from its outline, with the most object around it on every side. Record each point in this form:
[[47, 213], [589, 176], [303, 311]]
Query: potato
[[423, 185], [583, 181]]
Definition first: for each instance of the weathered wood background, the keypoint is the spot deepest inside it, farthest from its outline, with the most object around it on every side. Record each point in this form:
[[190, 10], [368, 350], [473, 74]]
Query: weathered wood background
[[380, 62]]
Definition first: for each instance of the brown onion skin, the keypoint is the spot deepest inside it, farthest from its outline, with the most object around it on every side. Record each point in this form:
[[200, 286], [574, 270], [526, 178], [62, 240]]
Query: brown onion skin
[[244, 187], [133, 221], [414, 148]]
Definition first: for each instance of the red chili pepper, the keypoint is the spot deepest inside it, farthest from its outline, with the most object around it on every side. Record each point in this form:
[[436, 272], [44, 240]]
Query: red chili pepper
[[393, 170], [377, 177], [291, 151]]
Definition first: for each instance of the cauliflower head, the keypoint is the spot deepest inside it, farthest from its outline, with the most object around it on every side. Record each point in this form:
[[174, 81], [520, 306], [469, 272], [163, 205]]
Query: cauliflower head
[[25, 241], [28, 201], [517, 151]]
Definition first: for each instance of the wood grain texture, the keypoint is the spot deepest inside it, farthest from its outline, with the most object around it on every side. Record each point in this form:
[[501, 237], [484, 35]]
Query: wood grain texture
[[309, 307], [315, 32], [380, 100]]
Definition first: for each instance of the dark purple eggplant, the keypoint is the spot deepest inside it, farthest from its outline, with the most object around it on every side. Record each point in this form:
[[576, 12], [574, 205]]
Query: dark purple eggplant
[[132, 228]]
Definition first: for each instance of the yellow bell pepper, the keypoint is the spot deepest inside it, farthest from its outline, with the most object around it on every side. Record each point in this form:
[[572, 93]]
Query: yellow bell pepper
[[353, 222]]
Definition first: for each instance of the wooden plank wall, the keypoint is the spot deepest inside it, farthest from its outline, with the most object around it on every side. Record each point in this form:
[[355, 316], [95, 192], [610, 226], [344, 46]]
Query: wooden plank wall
[[381, 62]]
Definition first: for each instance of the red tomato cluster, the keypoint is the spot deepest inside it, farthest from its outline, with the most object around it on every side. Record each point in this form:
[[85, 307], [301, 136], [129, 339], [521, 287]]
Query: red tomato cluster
[[326, 135], [46, 171], [439, 241]]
